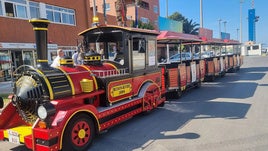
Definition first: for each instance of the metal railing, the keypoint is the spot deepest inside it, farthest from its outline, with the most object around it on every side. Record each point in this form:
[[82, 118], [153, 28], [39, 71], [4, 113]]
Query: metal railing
[[109, 73]]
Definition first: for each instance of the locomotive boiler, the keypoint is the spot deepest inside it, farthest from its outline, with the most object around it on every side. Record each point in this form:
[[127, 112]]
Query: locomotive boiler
[[63, 108]]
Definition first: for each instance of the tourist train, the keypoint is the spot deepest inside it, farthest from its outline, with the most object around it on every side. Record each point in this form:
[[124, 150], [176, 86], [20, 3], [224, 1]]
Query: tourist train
[[64, 108]]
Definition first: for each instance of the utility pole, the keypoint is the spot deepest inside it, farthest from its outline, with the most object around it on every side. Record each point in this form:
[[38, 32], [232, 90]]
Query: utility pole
[[167, 8], [201, 13], [241, 2], [224, 23], [237, 30], [95, 18], [104, 12]]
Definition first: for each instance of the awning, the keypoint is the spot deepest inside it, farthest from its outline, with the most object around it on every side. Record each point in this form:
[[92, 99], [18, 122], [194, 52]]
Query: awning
[[169, 37]]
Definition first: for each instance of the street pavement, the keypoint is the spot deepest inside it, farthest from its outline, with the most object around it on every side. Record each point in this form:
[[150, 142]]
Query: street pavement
[[229, 114], [5, 87]]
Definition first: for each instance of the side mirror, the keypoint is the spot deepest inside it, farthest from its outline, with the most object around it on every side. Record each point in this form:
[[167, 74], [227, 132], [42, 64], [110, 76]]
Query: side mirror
[[1, 102]]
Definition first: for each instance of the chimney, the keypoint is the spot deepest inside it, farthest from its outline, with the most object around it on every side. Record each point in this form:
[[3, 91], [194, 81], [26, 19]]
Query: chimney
[[40, 27]]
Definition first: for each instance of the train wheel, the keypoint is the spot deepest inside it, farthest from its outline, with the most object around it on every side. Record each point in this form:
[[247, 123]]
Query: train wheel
[[179, 93], [79, 133], [198, 84], [212, 78], [151, 96]]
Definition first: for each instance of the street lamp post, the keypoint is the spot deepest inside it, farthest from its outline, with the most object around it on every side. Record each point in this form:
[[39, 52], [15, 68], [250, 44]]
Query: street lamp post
[[201, 13], [95, 18], [167, 8], [220, 28], [201, 22], [224, 23], [241, 2], [104, 12], [237, 31]]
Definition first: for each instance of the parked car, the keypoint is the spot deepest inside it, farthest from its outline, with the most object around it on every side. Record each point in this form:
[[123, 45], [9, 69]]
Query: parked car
[[177, 57], [207, 54]]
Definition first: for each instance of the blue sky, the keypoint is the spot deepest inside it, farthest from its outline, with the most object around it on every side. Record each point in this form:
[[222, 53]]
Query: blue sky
[[226, 10]]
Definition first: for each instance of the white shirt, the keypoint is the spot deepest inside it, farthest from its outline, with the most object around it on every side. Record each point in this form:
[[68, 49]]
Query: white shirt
[[74, 57], [56, 62]]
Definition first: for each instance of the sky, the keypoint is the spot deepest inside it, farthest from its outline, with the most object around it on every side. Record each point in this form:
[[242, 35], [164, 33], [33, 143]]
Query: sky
[[226, 10]]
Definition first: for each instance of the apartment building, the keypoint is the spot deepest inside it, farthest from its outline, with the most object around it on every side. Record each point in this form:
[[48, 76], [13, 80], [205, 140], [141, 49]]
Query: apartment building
[[17, 41], [68, 18], [147, 11]]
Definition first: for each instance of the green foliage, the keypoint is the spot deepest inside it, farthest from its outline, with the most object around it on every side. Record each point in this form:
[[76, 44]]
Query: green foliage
[[142, 25], [189, 27], [4, 95], [176, 16]]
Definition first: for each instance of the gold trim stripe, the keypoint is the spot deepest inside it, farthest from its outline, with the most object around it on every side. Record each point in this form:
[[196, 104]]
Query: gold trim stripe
[[42, 60], [48, 84], [94, 78], [38, 21], [70, 80], [37, 28], [113, 66]]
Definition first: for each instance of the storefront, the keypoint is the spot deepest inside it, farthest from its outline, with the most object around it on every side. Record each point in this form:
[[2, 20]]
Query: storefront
[[12, 55]]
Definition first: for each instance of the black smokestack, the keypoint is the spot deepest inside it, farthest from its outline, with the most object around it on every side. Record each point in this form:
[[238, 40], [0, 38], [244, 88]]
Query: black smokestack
[[40, 27]]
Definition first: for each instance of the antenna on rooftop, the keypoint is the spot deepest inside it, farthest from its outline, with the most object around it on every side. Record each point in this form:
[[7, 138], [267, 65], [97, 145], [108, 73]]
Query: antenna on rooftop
[[252, 4]]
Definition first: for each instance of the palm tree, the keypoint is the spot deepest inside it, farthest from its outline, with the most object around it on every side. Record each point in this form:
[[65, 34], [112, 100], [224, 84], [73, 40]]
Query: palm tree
[[190, 27]]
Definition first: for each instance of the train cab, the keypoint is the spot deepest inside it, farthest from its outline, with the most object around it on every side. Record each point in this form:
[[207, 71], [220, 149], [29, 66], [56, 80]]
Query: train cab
[[131, 52]]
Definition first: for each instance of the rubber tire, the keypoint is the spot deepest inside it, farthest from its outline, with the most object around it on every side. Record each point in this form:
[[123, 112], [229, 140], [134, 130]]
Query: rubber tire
[[179, 94], [198, 84], [67, 143]]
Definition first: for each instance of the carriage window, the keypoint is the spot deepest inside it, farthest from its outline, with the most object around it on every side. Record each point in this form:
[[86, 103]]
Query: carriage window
[[139, 50], [151, 52]]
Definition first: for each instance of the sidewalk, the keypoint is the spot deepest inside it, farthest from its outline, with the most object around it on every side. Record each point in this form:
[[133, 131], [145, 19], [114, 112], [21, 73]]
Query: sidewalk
[[5, 87]]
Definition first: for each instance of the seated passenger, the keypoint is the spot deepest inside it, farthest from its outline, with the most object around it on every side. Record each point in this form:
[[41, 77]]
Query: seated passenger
[[118, 56], [56, 61]]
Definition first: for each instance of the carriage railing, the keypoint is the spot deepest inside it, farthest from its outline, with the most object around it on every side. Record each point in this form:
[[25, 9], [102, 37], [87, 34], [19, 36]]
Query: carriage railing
[[109, 73], [99, 73]]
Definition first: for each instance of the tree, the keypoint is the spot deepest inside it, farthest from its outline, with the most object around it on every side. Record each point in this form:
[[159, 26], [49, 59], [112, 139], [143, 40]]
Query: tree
[[142, 25], [176, 16], [189, 27]]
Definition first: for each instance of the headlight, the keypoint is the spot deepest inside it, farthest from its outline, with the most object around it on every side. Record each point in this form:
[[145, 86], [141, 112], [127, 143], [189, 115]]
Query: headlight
[[45, 110]]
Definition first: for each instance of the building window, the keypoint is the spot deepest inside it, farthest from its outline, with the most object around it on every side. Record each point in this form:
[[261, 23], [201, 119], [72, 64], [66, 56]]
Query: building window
[[156, 22], [144, 20], [144, 5], [16, 8], [108, 7], [256, 47], [1, 10], [34, 10], [155, 9], [60, 15], [129, 17]]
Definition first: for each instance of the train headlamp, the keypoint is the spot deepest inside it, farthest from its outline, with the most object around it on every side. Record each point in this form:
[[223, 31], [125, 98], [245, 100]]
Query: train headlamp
[[45, 110]]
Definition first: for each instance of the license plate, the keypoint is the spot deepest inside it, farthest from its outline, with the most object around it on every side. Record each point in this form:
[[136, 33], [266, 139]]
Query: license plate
[[13, 137]]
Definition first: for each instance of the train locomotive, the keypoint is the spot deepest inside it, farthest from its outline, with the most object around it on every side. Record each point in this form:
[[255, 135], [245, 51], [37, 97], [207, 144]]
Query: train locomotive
[[63, 108]]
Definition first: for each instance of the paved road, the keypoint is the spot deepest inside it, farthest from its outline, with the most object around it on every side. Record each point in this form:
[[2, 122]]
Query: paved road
[[5, 87], [229, 114]]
